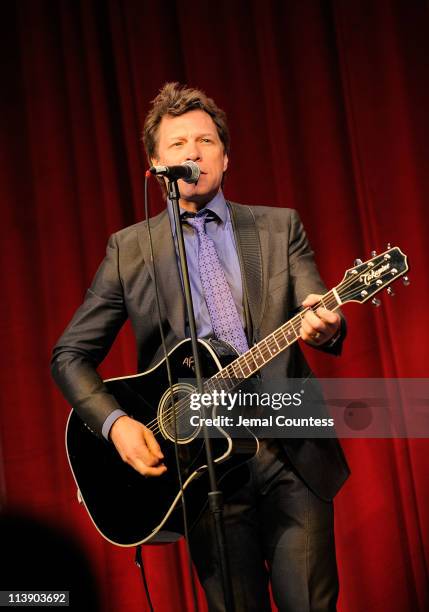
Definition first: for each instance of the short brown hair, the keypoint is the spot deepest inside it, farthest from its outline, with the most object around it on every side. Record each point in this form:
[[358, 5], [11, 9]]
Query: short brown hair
[[175, 99]]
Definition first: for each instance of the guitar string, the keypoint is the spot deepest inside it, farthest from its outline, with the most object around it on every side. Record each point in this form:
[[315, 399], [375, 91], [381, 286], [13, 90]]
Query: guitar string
[[182, 405]]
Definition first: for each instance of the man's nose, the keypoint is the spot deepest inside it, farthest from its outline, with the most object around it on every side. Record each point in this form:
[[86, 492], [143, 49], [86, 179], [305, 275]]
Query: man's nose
[[193, 152]]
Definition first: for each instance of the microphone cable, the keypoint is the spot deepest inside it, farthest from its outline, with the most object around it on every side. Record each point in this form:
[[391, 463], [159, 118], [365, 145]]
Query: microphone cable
[[139, 563], [170, 383]]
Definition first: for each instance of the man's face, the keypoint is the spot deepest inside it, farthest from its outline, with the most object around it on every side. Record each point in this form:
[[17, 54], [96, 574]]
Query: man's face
[[194, 136]]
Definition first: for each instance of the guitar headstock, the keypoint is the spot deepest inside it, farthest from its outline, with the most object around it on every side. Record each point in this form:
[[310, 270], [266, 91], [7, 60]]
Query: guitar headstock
[[368, 278]]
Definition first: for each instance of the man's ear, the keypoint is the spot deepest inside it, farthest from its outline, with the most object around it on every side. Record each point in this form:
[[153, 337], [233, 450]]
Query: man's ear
[[225, 162]]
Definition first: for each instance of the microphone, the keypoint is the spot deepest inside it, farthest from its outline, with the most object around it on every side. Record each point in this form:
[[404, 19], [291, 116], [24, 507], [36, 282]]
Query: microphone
[[189, 171]]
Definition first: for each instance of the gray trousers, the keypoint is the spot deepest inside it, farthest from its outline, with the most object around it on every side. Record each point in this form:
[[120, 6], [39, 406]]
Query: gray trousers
[[276, 530]]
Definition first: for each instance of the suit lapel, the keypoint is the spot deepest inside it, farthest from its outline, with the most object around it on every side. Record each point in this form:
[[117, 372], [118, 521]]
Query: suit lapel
[[167, 273]]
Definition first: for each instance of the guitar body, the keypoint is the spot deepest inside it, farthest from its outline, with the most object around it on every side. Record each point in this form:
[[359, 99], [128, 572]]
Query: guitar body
[[127, 508]]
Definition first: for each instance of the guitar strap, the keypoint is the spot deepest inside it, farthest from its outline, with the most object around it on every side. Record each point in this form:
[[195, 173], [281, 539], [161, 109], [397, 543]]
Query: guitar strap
[[250, 257]]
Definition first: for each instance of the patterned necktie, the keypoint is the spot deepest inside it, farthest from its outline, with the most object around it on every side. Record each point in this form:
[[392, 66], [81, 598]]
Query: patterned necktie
[[220, 303]]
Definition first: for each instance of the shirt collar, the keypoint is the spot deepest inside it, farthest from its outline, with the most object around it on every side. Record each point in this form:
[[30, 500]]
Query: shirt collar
[[217, 205]]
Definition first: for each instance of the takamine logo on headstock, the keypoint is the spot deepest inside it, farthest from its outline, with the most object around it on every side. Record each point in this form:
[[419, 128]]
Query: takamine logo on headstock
[[369, 277]]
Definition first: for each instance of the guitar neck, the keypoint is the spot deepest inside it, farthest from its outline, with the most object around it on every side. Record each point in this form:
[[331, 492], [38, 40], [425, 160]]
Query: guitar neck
[[264, 351], [358, 285]]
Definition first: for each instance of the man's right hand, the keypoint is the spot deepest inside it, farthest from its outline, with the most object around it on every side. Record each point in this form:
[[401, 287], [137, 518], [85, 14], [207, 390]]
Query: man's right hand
[[137, 446]]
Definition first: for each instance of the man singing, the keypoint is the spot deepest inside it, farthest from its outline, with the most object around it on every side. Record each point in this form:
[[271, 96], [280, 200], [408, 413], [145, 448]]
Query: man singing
[[279, 524]]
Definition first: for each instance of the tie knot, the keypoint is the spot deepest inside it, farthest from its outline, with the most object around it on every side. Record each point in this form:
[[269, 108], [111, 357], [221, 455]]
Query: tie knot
[[199, 220]]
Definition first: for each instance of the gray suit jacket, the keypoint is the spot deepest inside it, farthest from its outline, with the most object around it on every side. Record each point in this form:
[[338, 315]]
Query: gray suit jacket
[[123, 287]]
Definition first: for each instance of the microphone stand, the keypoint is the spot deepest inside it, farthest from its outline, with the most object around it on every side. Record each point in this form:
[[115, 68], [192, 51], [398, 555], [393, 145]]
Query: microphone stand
[[215, 497]]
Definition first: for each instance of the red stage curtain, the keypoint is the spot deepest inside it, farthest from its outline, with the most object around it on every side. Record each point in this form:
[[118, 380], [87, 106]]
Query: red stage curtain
[[328, 106]]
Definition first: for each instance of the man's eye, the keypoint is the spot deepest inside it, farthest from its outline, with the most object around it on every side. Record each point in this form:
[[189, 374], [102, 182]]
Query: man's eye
[[206, 139], [176, 144]]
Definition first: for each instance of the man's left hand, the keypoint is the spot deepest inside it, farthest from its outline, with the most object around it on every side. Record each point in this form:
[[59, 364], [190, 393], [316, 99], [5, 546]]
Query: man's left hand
[[319, 326]]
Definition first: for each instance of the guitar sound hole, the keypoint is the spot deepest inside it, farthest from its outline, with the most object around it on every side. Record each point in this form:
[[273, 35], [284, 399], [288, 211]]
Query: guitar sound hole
[[176, 423]]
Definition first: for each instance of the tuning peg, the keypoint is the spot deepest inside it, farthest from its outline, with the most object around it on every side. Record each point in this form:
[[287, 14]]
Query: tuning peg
[[376, 302], [358, 262], [390, 291], [406, 281], [373, 253]]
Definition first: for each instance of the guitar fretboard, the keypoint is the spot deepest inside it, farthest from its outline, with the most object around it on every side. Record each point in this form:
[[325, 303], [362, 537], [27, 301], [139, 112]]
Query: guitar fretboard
[[261, 353]]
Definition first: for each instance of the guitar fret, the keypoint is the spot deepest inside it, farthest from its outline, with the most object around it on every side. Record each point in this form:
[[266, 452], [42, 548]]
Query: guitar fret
[[243, 363], [273, 343], [296, 325], [210, 385], [283, 332], [272, 349], [275, 340], [267, 344], [282, 342], [280, 339], [289, 331], [229, 384], [224, 373], [224, 380], [253, 365], [235, 366], [230, 372], [218, 385], [259, 347], [254, 349], [266, 350]]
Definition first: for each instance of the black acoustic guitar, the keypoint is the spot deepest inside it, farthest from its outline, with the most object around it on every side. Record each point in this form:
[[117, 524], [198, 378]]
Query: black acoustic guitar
[[128, 509]]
